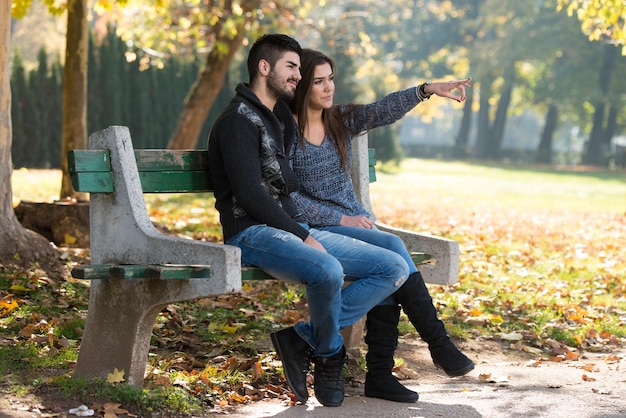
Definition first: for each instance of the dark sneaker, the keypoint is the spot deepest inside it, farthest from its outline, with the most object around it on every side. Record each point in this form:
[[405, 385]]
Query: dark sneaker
[[328, 379], [295, 353], [449, 359]]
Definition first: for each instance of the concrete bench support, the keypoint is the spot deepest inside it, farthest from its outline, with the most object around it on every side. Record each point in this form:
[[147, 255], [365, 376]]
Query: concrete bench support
[[121, 312]]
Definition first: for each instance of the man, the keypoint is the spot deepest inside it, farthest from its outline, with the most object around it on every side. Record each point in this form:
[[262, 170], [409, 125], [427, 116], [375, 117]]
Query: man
[[249, 150]]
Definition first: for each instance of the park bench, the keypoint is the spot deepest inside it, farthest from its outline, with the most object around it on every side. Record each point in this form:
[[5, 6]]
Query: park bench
[[136, 271]]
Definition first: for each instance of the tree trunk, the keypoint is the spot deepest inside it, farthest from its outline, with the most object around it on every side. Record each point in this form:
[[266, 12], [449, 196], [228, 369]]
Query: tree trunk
[[16, 243], [611, 126], [497, 133], [210, 80], [483, 133], [544, 152], [74, 130], [461, 142], [594, 153]]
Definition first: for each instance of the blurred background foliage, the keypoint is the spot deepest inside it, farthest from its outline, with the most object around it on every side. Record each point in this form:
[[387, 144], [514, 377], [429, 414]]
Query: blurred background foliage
[[547, 86]]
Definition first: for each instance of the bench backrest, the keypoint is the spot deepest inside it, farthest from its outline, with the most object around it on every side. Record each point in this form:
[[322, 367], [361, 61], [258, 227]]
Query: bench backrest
[[160, 170]]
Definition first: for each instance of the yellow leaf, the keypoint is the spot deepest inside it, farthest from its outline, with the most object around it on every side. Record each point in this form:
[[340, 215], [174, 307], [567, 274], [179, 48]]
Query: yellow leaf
[[20, 288], [69, 239], [496, 319], [116, 377], [578, 339], [228, 328]]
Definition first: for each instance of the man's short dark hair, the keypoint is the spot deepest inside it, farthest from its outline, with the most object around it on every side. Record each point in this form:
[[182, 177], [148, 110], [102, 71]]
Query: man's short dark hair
[[271, 48]]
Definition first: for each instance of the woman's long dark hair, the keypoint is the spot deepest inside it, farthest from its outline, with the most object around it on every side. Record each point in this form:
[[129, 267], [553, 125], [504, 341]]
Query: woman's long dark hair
[[336, 130]]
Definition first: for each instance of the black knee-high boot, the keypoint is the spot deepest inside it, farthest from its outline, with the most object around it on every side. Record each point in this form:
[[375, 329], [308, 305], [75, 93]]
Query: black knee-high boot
[[382, 340], [417, 304]]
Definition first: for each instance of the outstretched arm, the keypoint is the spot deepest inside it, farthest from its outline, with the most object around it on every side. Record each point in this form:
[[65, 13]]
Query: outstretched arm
[[445, 88]]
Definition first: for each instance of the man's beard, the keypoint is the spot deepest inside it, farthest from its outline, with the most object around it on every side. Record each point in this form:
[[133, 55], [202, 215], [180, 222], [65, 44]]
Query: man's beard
[[274, 88]]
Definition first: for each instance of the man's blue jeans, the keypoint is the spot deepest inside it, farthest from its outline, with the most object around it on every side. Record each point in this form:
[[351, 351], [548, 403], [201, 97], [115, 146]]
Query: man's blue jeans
[[375, 273]]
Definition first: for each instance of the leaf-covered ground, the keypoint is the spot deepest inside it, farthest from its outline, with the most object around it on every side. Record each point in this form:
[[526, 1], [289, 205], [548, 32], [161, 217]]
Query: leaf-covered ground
[[542, 272]]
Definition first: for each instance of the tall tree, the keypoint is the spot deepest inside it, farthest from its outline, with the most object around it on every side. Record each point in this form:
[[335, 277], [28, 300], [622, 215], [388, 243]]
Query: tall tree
[[16, 243], [545, 149], [596, 152], [227, 41], [74, 126]]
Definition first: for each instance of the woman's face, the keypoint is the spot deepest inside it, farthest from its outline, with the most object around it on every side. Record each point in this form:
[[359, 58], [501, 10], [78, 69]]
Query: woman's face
[[323, 88]]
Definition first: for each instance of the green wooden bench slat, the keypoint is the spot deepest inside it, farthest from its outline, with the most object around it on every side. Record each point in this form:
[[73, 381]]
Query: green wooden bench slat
[[93, 182], [147, 160], [175, 181], [421, 258], [254, 273], [91, 271], [178, 272], [151, 182], [372, 174], [172, 160], [88, 160], [132, 271], [371, 156]]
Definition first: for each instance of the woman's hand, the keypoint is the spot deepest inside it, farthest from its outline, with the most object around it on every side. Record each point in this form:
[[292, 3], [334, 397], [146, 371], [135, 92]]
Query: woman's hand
[[314, 243], [357, 221], [445, 88]]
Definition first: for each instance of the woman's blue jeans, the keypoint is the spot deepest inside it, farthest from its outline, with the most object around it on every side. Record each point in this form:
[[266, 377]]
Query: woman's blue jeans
[[379, 238], [375, 273]]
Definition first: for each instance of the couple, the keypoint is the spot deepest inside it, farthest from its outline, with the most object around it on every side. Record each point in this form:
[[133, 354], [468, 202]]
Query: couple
[[284, 195]]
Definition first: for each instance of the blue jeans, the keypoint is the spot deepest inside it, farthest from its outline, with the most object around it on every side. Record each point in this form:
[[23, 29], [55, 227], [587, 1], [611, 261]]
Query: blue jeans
[[375, 273], [379, 238]]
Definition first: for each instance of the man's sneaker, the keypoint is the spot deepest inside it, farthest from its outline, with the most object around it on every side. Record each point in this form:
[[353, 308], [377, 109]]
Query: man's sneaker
[[295, 353], [328, 379]]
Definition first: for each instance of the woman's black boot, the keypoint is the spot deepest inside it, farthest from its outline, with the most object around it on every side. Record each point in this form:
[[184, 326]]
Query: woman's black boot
[[382, 340], [418, 306]]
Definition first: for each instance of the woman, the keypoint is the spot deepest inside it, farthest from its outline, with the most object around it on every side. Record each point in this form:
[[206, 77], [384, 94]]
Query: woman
[[327, 200]]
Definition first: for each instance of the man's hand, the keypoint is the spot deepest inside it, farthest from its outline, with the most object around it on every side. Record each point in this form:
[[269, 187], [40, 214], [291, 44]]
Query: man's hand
[[314, 243], [444, 88], [357, 221]]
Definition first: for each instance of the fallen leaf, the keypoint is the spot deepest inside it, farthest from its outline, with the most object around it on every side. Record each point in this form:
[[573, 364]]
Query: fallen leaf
[[511, 336], [20, 288], [69, 239], [112, 409], [117, 376]]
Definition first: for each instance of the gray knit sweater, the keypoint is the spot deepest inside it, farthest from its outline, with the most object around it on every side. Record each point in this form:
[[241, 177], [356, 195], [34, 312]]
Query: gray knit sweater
[[326, 191]]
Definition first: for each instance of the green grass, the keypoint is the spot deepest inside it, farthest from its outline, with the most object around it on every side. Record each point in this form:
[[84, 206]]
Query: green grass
[[35, 185], [523, 188]]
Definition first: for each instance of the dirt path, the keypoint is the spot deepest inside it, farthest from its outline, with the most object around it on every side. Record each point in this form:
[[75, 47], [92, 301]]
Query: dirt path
[[505, 383]]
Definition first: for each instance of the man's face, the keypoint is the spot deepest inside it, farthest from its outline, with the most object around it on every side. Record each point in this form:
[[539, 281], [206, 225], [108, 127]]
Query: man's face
[[284, 76]]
